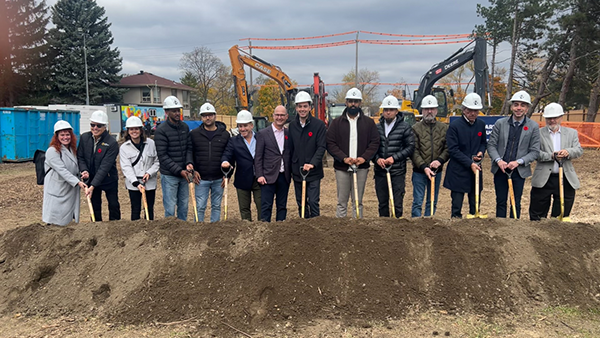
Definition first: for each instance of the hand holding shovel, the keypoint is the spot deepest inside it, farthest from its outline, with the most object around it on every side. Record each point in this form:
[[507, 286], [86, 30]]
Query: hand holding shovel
[[304, 174], [225, 172], [511, 191], [354, 169], [190, 178], [390, 190], [432, 190], [88, 195], [142, 188], [477, 161], [561, 186]]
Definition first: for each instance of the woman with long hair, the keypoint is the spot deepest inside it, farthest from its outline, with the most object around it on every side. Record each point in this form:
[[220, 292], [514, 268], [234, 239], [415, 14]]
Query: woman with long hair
[[61, 183], [139, 163]]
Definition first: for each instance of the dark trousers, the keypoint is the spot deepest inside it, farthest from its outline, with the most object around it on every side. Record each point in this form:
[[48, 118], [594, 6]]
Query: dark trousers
[[278, 190], [457, 202], [541, 198], [312, 198], [501, 185], [112, 196], [137, 204], [245, 199], [383, 195]]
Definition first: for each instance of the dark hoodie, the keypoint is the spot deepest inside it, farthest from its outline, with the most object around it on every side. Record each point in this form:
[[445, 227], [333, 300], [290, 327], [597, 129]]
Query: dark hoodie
[[207, 152]]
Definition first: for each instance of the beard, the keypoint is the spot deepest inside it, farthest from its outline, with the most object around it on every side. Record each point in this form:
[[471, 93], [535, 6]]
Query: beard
[[429, 119], [554, 127]]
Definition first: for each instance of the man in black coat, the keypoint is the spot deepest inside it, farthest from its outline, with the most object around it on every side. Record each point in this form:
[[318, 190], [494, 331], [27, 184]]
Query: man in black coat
[[308, 137], [208, 144], [97, 158], [397, 143], [240, 153], [174, 150], [467, 143]]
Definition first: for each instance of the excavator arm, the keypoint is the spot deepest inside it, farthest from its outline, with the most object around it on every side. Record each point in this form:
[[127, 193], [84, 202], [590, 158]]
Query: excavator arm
[[239, 58], [438, 71]]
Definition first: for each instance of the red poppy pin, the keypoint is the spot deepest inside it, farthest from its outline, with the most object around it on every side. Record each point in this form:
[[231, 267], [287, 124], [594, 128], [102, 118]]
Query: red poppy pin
[[525, 128], [479, 134], [286, 137], [99, 150], [310, 134]]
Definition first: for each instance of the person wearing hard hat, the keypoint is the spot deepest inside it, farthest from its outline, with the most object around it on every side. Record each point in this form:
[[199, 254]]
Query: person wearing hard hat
[[240, 153], [513, 145], [557, 143], [466, 140], [97, 157], [431, 152], [61, 183], [174, 149], [272, 166], [352, 141], [396, 145], [139, 164], [308, 145], [209, 141]]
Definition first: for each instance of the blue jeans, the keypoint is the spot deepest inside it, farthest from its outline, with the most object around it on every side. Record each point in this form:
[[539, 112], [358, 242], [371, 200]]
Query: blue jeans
[[216, 194], [175, 192], [421, 184]]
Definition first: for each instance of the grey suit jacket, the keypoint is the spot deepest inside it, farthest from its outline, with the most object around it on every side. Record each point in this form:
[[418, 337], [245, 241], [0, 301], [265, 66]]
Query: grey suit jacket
[[569, 141], [267, 159], [529, 144]]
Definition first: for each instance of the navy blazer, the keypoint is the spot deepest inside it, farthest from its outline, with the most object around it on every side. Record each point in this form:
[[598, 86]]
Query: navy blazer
[[267, 160], [238, 155]]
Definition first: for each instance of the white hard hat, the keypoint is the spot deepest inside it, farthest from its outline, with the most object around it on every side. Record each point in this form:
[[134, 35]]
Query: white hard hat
[[390, 102], [99, 117], [133, 122], [207, 108], [302, 96], [553, 110], [522, 96], [429, 101], [472, 101], [62, 125], [171, 102], [354, 93], [244, 116]]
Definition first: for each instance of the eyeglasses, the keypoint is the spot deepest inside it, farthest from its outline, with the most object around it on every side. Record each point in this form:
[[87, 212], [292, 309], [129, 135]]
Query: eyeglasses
[[97, 125], [208, 115]]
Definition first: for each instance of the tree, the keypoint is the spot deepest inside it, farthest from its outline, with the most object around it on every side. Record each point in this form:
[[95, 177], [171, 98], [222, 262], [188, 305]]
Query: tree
[[267, 98], [189, 80], [78, 23], [23, 48], [213, 79], [369, 91]]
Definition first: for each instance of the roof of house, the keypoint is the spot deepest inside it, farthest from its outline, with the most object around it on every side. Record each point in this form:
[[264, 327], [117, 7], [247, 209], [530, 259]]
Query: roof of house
[[149, 79]]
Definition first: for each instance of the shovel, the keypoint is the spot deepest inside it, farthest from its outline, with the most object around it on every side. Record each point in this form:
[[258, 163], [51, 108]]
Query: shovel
[[390, 191], [511, 191], [354, 169], [145, 201], [193, 193], [432, 191], [561, 187], [89, 201], [226, 180], [303, 207], [477, 214]]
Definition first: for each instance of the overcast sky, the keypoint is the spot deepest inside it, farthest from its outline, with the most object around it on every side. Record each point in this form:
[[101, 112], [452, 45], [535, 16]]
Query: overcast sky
[[152, 35]]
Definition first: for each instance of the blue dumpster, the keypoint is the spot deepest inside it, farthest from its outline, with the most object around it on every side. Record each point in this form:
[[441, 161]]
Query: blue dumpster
[[23, 131]]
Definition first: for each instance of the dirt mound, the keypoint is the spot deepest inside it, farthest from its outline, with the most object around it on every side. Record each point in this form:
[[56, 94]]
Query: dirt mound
[[256, 273]]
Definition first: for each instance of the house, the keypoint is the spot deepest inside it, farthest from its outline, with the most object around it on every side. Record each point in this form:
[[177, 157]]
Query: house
[[149, 90]]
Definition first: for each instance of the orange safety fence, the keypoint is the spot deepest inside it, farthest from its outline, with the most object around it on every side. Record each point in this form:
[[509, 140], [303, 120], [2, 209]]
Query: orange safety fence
[[589, 132]]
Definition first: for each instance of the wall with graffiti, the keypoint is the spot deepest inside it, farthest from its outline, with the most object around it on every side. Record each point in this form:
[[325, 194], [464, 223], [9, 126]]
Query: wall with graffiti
[[150, 114]]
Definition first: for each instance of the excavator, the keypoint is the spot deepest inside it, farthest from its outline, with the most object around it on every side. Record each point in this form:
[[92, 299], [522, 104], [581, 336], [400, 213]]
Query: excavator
[[439, 70], [240, 58]]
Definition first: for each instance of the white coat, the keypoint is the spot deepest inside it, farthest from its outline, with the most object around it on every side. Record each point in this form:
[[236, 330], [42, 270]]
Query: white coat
[[148, 163], [61, 192]]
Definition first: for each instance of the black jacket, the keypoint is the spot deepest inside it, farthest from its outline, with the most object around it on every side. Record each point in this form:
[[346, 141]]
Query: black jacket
[[207, 153], [173, 146], [399, 144], [238, 155], [308, 146], [100, 163]]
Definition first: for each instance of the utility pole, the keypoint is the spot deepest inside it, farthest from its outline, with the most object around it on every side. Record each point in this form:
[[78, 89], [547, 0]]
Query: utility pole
[[250, 50], [356, 63]]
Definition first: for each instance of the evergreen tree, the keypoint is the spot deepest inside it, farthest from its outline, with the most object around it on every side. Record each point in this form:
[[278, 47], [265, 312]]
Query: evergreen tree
[[79, 22], [22, 51]]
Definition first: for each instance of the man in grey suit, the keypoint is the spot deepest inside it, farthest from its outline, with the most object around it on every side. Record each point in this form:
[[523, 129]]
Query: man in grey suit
[[272, 162], [513, 145], [556, 143]]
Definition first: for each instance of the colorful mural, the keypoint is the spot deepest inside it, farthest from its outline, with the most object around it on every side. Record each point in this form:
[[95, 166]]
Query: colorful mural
[[151, 114]]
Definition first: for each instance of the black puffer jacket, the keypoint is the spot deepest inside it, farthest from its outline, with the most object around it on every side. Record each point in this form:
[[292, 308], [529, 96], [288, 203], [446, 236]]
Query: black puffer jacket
[[173, 146], [100, 163], [399, 144], [207, 153]]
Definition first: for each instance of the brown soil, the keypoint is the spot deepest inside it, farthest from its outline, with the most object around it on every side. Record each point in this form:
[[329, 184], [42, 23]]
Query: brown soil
[[260, 276]]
